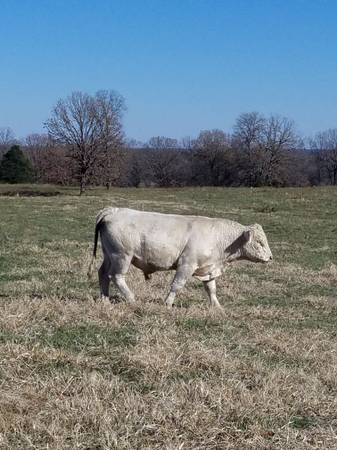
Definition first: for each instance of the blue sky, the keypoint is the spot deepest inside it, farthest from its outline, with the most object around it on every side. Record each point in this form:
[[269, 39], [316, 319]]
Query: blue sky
[[182, 66]]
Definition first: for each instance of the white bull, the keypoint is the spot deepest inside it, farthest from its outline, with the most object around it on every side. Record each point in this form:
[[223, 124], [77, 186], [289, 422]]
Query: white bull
[[192, 245]]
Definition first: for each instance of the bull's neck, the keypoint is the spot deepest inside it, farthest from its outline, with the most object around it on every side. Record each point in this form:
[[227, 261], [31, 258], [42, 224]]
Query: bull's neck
[[232, 244], [232, 256]]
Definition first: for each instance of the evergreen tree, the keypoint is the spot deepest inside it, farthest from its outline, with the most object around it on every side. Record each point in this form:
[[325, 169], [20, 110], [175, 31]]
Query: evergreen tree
[[15, 167]]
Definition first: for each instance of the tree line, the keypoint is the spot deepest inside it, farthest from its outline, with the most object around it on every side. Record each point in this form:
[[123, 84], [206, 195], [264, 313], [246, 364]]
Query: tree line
[[84, 144]]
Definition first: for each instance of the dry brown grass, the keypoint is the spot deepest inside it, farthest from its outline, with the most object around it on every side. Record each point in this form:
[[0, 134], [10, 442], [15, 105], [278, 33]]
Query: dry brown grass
[[81, 374]]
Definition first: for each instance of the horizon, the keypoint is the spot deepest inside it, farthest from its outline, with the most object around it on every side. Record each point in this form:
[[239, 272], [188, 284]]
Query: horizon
[[182, 67]]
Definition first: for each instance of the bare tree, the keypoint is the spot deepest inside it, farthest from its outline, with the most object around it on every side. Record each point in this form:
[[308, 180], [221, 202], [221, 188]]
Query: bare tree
[[135, 166], [278, 140], [264, 146], [247, 138], [109, 108], [49, 160], [134, 143], [325, 146], [248, 130], [37, 146], [38, 141], [187, 143], [161, 165], [211, 152], [162, 143], [6, 136], [6, 139], [90, 127]]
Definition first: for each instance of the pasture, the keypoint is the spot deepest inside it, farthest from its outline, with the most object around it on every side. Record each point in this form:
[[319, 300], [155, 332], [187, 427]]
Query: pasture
[[81, 374]]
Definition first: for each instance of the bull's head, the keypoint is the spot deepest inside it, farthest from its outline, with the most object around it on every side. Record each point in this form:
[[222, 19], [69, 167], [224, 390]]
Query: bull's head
[[256, 247]]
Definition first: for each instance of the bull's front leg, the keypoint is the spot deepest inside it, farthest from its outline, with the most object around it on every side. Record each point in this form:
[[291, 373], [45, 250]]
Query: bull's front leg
[[210, 288], [182, 274]]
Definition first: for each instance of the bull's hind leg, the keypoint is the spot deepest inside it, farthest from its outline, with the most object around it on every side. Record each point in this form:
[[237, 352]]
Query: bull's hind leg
[[118, 269], [210, 288], [104, 280], [179, 281]]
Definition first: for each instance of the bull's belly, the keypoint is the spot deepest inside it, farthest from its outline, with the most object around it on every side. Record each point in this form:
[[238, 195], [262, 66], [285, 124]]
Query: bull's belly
[[151, 265], [153, 255], [204, 272]]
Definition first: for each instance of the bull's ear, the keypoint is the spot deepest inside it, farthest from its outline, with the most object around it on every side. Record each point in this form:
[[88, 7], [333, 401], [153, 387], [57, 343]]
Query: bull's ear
[[247, 235]]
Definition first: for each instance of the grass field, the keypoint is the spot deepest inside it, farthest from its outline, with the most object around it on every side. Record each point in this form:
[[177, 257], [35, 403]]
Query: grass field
[[81, 374]]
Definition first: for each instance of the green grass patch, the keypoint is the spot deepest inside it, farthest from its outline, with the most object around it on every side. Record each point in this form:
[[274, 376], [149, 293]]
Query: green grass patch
[[301, 422], [7, 337], [88, 337]]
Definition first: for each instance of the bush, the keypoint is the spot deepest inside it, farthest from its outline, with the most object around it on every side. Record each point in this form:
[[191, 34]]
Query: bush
[[15, 167]]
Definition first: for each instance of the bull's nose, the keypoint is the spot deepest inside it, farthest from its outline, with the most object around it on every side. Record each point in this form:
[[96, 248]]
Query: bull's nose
[[271, 257]]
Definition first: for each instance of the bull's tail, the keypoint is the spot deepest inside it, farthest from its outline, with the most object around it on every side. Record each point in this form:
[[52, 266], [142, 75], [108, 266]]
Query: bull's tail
[[92, 264], [99, 221]]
